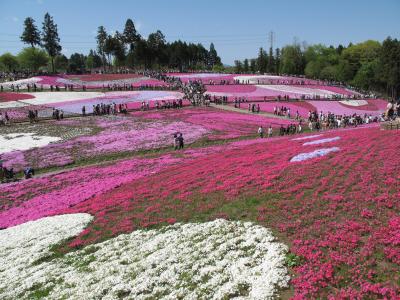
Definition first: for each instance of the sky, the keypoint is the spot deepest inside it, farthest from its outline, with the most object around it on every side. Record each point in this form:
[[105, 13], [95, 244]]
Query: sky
[[237, 28]]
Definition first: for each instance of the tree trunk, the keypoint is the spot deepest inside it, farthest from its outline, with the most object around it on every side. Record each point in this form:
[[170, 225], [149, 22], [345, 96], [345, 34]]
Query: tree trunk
[[52, 64]]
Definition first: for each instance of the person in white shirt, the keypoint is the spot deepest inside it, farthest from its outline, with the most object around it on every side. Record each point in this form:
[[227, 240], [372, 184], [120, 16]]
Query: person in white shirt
[[261, 131], [270, 131]]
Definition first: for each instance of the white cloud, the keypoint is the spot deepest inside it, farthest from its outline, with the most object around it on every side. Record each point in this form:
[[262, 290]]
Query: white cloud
[[15, 19], [40, 2]]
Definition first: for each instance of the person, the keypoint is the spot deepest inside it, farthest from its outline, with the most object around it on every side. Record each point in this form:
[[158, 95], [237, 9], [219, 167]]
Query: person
[[180, 140], [270, 131], [299, 129], [84, 110], [29, 172], [261, 131]]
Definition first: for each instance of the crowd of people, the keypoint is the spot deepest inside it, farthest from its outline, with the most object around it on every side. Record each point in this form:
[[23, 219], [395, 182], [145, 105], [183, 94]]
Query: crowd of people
[[254, 108], [288, 130], [57, 114], [167, 104], [18, 75], [318, 121], [33, 115], [104, 109]]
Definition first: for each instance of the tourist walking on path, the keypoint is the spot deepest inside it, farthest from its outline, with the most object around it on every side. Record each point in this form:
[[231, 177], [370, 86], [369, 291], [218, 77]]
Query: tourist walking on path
[[261, 131], [270, 131]]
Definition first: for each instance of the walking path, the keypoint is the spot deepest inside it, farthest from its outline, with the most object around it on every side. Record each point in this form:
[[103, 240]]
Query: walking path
[[245, 111]]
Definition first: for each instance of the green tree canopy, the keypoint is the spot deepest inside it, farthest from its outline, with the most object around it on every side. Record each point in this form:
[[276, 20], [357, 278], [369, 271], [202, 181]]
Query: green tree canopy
[[32, 58], [61, 63], [292, 60], [9, 61]]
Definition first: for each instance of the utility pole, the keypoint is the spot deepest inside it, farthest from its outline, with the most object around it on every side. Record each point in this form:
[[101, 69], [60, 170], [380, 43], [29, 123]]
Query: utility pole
[[271, 39]]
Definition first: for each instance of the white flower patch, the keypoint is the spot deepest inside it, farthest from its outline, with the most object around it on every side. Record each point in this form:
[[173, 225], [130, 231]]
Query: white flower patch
[[313, 154], [55, 97], [307, 137], [354, 102], [22, 245], [299, 90], [214, 260], [21, 82], [256, 78], [322, 141], [12, 104], [200, 75], [24, 141]]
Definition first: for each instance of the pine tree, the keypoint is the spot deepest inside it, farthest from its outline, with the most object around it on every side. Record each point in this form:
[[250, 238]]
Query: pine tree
[[262, 61], [50, 39], [246, 65], [130, 35], [271, 61], [213, 58], [101, 43], [31, 34]]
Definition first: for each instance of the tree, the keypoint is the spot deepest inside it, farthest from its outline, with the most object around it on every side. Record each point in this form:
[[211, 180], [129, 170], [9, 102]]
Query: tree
[[50, 39], [238, 66], [292, 60], [246, 65], [31, 34], [213, 58], [61, 62], [366, 77], [130, 35], [253, 65], [354, 56], [389, 66], [156, 44], [119, 50], [77, 63], [101, 43], [277, 60], [9, 61], [93, 60], [141, 53], [32, 58], [262, 61], [109, 47], [271, 61]]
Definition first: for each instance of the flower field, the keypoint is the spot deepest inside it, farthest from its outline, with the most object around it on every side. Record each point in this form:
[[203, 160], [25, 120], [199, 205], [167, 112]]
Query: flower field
[[91, 81], [225, 125], [114, 212], [189, 262], [103, 137], [6, 97], [259, 92], [373, 107], [72, 102]]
